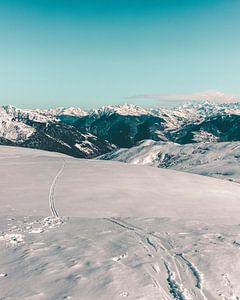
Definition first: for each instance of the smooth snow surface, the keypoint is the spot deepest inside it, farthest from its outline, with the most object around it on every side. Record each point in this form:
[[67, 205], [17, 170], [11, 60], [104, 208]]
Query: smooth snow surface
[[92, 188], [129, 231]]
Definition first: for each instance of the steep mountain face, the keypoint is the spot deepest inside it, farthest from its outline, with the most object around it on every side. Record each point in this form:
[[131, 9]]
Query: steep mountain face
[[123, 125], [66, 139], [40, 130], [126, 125], [123, 130], [224, 127], [220, 160]]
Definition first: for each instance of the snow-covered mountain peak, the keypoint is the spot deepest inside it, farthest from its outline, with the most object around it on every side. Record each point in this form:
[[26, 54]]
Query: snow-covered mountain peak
[[11, 129], [124, 110], [67, 111], [27, 114], [195, 112], [41, 115], [208, 108], [131, 109], [44, 129]]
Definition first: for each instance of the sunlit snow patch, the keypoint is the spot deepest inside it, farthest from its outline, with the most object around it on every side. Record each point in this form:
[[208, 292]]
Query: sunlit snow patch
[[12, 238]]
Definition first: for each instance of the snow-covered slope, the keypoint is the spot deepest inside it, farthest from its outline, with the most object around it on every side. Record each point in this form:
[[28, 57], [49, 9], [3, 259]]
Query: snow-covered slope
[[134, 232], [124, 110], [220, 160], [104, 188], [69, 111], [43, 130], [12, 129], [42, 115], [22, 115]]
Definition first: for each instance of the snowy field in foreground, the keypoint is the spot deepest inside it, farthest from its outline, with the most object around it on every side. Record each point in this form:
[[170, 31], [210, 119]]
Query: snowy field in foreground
[[129, 231]]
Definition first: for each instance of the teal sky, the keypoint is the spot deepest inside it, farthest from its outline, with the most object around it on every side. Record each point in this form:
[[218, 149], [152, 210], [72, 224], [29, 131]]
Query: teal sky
[[89, 53]]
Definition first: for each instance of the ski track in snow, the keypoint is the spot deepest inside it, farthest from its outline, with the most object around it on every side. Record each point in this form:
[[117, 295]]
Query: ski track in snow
[[181, 284], [194, 271], [15, 235], [174, 287], [52, 189]]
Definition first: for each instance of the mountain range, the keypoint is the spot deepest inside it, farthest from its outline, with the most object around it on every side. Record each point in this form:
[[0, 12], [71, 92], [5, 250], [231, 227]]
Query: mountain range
[[42, 129], [95, 229], [89, 134]]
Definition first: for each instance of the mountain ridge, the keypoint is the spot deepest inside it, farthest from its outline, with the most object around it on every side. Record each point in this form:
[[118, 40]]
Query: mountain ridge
[[121, 126]]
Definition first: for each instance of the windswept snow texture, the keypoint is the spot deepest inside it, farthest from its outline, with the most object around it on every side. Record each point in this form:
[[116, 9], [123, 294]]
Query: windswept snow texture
[[220, 160], [129, 231]]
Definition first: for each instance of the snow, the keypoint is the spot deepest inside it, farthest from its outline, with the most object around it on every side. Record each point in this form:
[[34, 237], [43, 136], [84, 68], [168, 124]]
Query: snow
[[20, 114], [69, 111], [204, 136], [105, 189], [34, 128], [194, 112], [13, 130], [84, 146], [176, 116], [124, 110], [220, 160], [42, 115], [129, 231], [16, 132], [14, 122], [58, 140]]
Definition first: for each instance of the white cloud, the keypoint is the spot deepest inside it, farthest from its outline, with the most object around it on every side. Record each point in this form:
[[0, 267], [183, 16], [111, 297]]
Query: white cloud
[[211, 96]]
